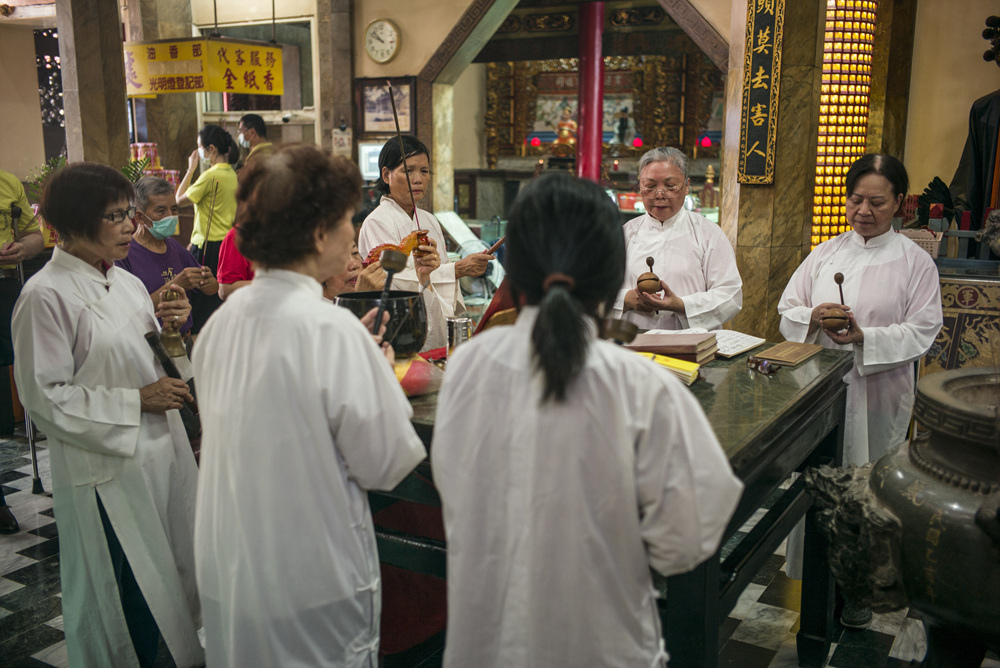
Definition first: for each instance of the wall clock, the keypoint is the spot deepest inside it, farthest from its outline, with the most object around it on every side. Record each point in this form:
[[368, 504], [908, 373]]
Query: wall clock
[[382, 40]]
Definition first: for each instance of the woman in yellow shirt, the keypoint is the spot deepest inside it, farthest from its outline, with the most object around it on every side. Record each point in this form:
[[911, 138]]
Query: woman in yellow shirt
[[214, 198]]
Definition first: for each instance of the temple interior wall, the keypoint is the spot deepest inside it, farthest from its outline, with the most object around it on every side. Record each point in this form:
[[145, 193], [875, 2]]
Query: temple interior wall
[[948, 75], [22, 148]]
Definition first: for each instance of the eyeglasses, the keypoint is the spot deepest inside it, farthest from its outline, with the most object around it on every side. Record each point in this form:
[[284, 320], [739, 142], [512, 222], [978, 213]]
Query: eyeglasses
[[666, 190], [119, 216], [766, 367]]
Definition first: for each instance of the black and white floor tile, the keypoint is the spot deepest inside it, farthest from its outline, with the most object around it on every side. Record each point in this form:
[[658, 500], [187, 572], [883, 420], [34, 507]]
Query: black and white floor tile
[[759, 632]]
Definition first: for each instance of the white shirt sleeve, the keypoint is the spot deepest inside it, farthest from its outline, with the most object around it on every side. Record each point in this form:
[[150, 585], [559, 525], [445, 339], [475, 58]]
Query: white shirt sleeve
[[681, 465], [723, 299], [100, 419], [901, 343], [796, 307], [373, 432]]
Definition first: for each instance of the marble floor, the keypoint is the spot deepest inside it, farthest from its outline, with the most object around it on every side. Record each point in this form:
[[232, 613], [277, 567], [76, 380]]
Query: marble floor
[[759, 632]]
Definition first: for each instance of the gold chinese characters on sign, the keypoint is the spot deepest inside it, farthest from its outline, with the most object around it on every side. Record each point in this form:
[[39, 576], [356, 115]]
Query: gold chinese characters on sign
[[202, 65], [762, 72]]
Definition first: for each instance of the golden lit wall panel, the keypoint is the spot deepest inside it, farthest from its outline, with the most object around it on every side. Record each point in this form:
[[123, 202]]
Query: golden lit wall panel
[[843, 112]]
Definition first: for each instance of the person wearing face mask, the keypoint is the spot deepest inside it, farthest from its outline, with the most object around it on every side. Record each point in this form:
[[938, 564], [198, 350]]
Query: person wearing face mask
[[155, 257], [253, 136], [214, 198]]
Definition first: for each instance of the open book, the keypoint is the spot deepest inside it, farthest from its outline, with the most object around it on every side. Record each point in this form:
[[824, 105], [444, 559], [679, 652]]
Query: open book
[[730, 342]]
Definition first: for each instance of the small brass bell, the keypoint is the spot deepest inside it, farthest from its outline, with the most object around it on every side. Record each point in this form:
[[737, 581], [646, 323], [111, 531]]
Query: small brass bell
[[648, 281], [171, 335]]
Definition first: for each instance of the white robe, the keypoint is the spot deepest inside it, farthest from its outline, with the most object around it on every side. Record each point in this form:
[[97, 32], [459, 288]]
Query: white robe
[[301, 414], [388, 224], [893, 289], [555, 513], [694, 257], [80, 359]]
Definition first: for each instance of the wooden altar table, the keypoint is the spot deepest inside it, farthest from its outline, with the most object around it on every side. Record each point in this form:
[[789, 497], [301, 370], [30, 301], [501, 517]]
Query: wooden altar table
[[770, 427]]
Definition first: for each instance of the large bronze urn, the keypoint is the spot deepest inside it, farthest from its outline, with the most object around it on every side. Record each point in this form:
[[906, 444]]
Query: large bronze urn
[[920, 527]]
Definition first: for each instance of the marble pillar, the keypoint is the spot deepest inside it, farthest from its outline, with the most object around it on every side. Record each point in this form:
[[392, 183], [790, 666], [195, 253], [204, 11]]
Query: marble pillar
[[93, 78], [171, 121], [773, 221], [333, 27], [442, 151], [892, 59]]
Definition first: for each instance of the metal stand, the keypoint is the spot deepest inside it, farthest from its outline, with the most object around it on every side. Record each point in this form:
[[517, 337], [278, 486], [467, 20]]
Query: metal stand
[[36, 480]]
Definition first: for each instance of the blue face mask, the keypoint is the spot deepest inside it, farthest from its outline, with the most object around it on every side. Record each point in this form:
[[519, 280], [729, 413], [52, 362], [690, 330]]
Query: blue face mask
[[162, 228]]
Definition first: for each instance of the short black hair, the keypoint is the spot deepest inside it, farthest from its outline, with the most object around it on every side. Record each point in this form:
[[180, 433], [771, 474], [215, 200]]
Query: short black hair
[[76, 196], [284, 199], [883, 165], [390, 156], [255, 123]]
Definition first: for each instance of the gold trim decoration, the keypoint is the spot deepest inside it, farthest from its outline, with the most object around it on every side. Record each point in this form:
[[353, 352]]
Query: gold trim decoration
[[661, 106], [637, 16], [548, 22], [761, 76]]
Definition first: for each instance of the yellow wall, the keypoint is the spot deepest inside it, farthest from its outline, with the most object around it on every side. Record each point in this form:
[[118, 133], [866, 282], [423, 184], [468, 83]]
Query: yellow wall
[[424, 25], [948, 75], [470, 108], [22, 148]]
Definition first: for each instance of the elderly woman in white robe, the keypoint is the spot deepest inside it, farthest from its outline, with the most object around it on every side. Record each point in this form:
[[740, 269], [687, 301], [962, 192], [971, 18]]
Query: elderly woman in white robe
[[581, 467], [892, 297], [123, 474], [701, 285], [396, 216], [301, 415]]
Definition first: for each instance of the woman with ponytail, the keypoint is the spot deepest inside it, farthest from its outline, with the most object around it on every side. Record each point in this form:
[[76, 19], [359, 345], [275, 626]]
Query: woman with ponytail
[[566, 465], [214, 198]]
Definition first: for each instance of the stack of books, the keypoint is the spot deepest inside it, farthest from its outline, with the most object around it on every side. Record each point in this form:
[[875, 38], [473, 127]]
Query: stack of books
[[686, 372], [697, 348]]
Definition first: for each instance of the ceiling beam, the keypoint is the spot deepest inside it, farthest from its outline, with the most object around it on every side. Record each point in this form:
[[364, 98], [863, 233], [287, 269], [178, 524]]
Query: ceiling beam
[[700, 30]]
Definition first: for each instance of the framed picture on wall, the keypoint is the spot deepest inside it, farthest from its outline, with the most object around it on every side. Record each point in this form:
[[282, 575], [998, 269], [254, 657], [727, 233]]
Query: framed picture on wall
[[374, 108]]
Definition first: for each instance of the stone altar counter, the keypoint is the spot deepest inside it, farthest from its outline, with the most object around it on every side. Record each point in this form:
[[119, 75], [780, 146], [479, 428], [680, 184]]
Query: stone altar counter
[[769, 426]]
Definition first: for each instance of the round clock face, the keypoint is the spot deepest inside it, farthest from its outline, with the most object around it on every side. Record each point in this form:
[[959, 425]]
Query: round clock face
[[381, 40]]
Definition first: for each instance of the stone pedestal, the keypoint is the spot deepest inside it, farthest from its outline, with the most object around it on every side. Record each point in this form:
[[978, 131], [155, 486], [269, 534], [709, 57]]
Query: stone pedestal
[[93, 78]]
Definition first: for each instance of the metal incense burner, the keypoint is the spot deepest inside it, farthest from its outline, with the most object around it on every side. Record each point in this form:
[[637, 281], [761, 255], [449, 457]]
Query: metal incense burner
[[920, 526]]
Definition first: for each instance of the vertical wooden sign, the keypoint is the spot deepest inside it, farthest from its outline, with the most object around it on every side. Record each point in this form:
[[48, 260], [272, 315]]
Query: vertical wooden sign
[[761, 76]]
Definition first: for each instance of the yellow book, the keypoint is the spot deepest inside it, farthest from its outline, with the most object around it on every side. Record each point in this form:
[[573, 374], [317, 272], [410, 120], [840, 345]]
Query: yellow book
[[686, 371]]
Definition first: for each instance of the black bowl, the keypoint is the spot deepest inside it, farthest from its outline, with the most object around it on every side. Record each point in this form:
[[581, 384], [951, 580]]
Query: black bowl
[[407, 326]]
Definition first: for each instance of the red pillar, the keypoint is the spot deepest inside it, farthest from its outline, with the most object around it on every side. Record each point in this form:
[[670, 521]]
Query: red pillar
[[591, 95]]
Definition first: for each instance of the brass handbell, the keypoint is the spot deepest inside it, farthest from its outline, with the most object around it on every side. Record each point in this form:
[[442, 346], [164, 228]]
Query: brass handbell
[[171, 335]]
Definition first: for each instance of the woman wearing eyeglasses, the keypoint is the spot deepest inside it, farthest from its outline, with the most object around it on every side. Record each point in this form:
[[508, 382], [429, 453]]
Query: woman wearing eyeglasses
[[701, 286], [123, 475]]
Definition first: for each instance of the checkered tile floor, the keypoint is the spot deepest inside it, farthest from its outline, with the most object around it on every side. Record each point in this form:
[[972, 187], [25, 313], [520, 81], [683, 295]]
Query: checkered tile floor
[[759, 632]]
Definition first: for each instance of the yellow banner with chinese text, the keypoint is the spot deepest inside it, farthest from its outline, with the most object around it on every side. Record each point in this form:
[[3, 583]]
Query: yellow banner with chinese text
[[202, 65]]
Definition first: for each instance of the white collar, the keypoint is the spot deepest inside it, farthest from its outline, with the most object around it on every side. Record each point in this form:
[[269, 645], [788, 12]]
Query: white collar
[[294, 279], [74, 264]]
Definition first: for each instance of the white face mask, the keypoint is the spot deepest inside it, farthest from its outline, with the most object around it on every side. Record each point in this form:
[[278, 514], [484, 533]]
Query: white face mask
[[243, 141], [201, 153]]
